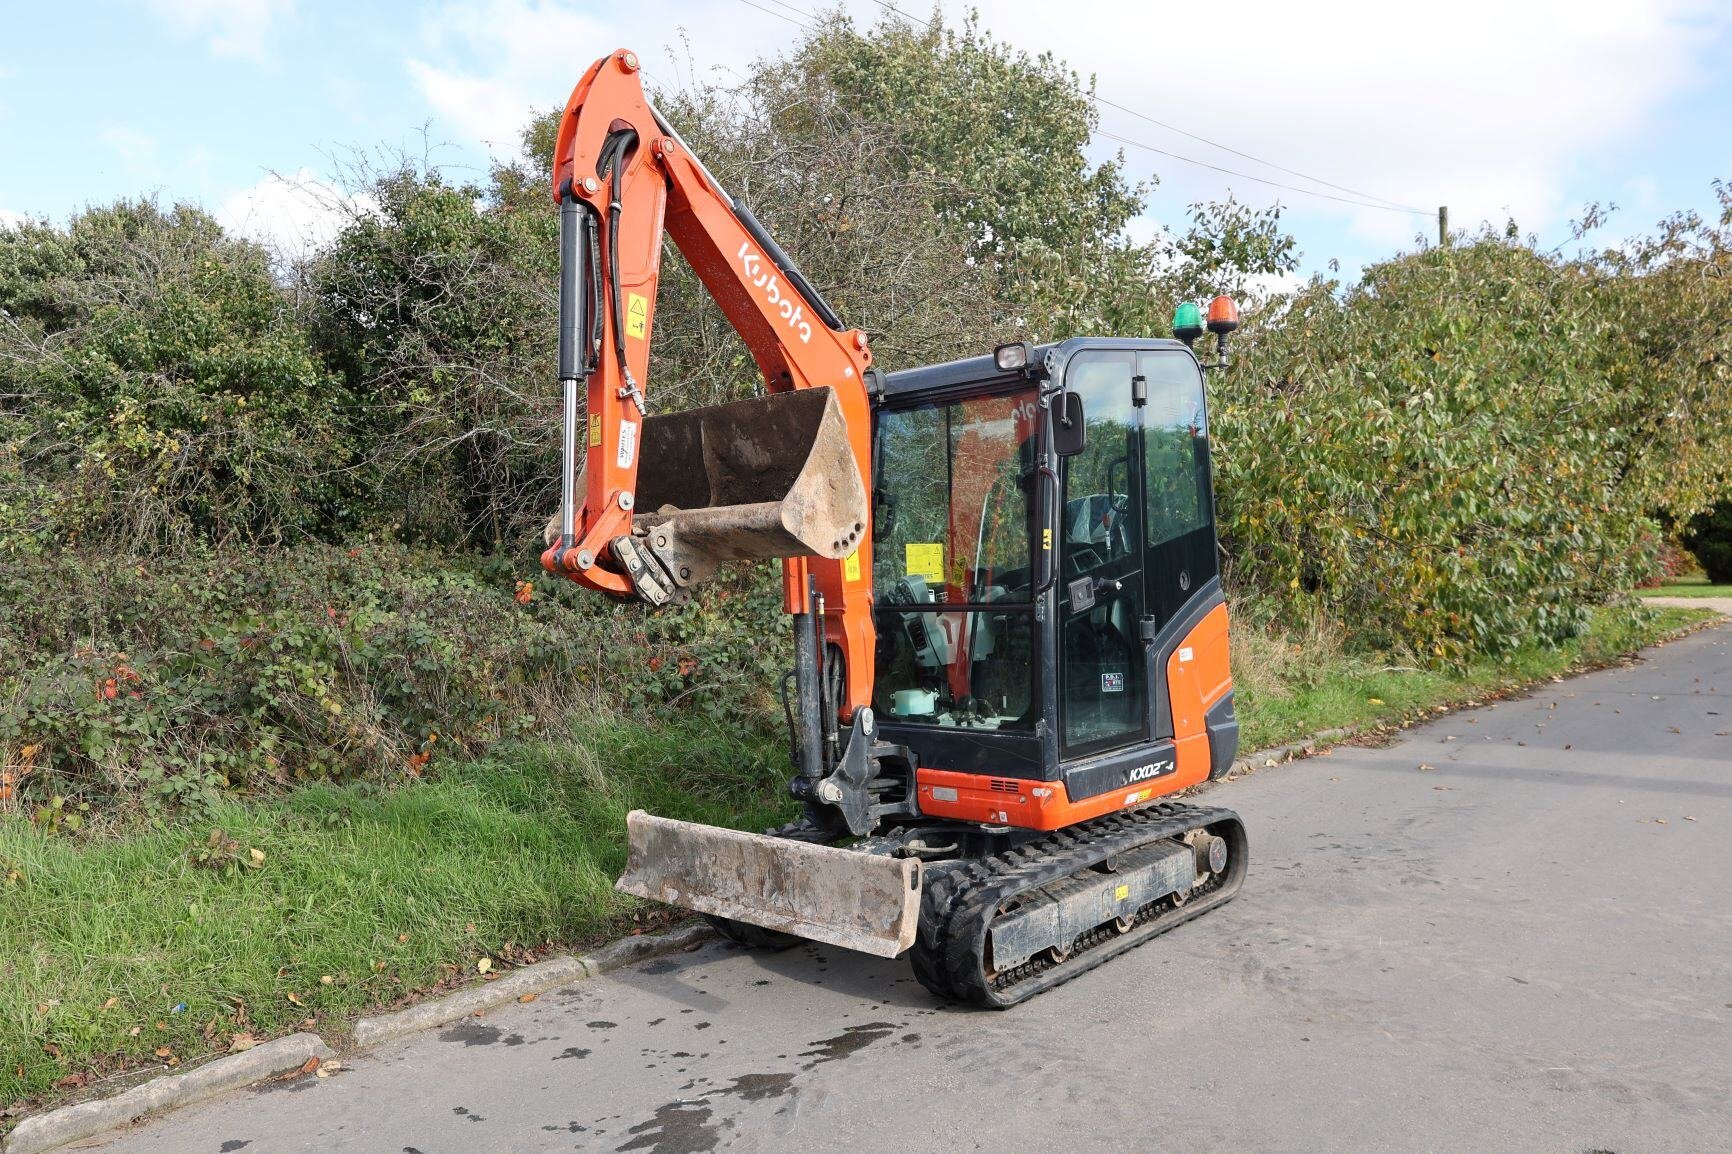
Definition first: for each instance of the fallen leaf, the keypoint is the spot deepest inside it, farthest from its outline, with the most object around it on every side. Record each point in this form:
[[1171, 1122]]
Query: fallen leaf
[[295, 998], [1687, 817], [1659, 821], [532, 997], [401, 938], [326, 979], [164, 1052], [133, 1033], [326, 1069], [242, 1042], [1443, 787], [483, 965], [111, 1003], [1374, 701], [258, 856], [1426, 767], [308, 1066]]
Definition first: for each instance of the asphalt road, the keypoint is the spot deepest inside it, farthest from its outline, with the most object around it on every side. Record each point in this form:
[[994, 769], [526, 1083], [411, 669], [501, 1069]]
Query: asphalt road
[[1510, 931]]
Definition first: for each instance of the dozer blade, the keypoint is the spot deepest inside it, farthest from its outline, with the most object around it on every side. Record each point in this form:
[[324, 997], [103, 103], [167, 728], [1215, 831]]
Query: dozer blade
[[773, 476], [860, 901]]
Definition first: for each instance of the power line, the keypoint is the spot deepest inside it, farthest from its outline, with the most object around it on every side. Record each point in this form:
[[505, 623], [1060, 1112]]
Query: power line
[[1358, 198], [1260, 160], [798, 11], [1259, 179], [773, 12]]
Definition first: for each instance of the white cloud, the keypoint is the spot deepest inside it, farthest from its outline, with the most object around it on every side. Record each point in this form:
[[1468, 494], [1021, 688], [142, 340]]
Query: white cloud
[[235, 27], [489, 64], [10, 219], [290, 215], [1487, 106], [486, 65], [135, 150], [1492, 107]]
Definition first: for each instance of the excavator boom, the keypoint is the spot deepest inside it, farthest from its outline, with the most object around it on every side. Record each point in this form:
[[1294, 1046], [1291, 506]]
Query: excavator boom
[[659, 501]]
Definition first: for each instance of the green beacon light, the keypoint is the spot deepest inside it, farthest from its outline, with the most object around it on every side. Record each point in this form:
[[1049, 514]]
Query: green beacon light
[[1188, 322]]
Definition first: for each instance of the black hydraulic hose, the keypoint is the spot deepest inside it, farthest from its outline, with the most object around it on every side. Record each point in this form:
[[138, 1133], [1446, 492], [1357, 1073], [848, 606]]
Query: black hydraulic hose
[[613, 163], [593, 230]]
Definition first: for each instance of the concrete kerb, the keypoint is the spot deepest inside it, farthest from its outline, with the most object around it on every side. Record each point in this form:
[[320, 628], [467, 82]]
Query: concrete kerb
[[542, 976], [72, 1123], [273, 1059]]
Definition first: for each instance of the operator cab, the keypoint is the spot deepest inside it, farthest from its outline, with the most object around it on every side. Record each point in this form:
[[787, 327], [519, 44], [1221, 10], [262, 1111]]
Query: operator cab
[[1028, 604]]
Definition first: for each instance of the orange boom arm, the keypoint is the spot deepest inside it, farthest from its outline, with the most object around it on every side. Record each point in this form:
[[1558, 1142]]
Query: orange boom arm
[[623, 177]]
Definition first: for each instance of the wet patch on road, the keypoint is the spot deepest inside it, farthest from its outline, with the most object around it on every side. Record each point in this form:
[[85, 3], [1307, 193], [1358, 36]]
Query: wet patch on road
[[676, 1128], [572, 1052], [472, 1033], [848, 1043], [464, 1112]]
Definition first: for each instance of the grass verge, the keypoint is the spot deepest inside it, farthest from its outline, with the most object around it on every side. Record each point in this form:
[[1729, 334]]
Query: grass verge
[[1316, 686], [138, 944], [122, 949], [1690, 587]]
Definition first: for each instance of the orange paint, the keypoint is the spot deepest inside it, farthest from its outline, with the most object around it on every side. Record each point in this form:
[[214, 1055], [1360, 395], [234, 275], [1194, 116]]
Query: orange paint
[[663, 190]]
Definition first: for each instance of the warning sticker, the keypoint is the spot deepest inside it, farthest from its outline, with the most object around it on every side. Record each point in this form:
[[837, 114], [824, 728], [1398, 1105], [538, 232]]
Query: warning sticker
[[636, 315], [924, 560], [1046, 539], [627, 444], [595, 430], [851, 566], [1112, 683]]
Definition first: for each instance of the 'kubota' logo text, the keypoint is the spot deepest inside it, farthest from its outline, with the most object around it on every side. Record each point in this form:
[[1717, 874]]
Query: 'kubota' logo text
[[753, 265]]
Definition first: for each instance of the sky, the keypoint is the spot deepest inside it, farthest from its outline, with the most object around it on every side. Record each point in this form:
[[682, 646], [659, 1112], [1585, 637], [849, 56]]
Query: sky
[[1498, 108]]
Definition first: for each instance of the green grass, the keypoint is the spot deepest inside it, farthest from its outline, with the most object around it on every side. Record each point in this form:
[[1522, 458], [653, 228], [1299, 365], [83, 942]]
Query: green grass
[[1690, 587], [384, 892], [1334, 690], [391, 892]]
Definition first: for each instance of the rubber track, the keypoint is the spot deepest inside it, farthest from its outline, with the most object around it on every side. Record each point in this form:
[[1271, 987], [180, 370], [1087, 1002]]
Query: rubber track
[[958, 905]]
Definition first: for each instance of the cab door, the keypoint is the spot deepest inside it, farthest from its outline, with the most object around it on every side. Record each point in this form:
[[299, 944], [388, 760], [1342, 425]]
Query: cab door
[[1103, 674]]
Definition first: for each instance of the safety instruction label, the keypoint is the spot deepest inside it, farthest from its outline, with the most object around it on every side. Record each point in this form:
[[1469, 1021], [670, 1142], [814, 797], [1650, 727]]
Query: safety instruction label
[[924, 560], [627, 444], [636, 315], [851, 566], [595, 430]]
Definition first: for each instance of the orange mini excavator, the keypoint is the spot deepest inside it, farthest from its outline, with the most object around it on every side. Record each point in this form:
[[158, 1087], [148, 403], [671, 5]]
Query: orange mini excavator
[[1010, 638]]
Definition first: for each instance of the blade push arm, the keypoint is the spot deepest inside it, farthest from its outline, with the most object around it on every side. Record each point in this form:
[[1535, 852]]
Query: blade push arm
[[623, 179]]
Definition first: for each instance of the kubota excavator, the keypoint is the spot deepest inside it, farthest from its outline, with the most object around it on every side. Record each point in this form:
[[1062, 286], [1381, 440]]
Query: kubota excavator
[[1010, 637]]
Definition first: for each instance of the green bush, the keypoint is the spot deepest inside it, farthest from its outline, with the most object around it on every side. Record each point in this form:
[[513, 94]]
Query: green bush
[[1709, 539], [176, 679], [158, 391]]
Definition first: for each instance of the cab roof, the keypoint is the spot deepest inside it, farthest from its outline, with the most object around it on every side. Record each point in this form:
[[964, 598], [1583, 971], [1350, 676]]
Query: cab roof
[[983, 369]]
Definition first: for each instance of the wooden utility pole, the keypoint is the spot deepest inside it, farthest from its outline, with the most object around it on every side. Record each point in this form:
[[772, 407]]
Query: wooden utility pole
[[1443, 226]]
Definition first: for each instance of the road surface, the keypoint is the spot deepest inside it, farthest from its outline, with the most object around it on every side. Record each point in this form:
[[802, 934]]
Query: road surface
[[1512, 931]]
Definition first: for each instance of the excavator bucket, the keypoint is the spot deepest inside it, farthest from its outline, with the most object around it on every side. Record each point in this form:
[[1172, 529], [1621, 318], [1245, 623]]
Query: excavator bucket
[[773, 476], [860, 901]]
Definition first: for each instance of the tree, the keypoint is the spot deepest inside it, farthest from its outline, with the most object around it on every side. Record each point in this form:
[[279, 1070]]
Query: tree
[[155, 389]]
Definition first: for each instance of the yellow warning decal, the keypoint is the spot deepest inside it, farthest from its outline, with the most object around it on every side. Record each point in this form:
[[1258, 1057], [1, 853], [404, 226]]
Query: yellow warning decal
[[1121, 893], [851, 566], [924, 560], [594, 430], [1046, 539], [636, 315]]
